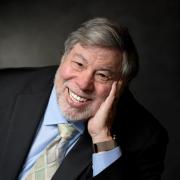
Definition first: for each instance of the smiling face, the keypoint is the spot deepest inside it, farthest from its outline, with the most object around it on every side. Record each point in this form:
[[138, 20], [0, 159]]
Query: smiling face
[[84, 79]]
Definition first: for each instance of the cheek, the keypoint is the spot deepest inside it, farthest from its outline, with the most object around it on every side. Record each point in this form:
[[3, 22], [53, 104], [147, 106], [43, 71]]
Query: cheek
[[65, 72], [103, 91]]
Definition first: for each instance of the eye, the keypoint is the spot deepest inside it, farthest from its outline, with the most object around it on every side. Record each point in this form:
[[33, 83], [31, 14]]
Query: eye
[[77, 65], [102, 77]]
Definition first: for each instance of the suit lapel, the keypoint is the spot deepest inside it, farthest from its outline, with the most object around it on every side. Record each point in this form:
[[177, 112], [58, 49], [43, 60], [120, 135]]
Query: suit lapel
[[26, 115], [79, 158]]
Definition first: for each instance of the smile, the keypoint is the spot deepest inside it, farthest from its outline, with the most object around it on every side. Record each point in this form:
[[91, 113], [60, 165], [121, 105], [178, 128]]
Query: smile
[[74, 97]]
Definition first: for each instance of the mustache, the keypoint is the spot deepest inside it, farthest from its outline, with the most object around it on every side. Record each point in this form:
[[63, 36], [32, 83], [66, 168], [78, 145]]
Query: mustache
[[72, 87], [75, 89]]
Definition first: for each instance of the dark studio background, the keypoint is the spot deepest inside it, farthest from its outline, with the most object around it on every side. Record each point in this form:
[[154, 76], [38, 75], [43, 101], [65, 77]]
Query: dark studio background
[[32, 33]]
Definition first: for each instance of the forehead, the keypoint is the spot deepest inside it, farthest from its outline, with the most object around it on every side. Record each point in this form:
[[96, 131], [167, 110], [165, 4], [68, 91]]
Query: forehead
[[95, 54]]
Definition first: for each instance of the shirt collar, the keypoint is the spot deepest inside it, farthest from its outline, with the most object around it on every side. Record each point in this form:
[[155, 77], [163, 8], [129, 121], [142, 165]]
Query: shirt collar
[[53, 114]]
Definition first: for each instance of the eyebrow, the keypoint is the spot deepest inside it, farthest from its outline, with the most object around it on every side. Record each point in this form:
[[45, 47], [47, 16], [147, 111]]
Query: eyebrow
[[108, 70], [80, 56]]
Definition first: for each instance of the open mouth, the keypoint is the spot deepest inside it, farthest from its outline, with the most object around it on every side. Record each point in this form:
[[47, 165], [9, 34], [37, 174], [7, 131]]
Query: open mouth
[[76, 98]]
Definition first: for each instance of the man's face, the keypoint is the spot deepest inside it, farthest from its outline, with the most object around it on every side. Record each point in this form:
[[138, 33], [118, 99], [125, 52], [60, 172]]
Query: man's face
[[84, 79]]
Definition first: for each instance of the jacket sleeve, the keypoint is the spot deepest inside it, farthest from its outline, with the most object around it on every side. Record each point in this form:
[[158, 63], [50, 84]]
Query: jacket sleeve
[[144, 164], [149, 163]]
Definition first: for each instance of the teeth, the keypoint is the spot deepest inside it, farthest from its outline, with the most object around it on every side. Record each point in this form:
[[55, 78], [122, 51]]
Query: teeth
[[76, 97]]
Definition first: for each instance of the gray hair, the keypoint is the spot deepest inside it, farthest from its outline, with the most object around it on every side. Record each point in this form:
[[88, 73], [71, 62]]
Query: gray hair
[[103, 32]]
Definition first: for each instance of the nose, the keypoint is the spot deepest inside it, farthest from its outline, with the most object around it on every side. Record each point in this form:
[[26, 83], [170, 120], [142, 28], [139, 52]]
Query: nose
[[85, 81]]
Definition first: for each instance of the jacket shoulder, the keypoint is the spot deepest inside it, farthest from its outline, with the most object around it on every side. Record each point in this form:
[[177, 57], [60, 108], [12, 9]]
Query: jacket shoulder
[[136, 125], [17, 80], [20, 71]]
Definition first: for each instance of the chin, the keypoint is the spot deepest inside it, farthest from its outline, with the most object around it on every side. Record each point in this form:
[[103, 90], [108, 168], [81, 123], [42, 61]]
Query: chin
[[76, 115]]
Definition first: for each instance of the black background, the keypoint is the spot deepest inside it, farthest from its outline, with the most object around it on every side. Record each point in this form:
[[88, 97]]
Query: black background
[[32, 33]]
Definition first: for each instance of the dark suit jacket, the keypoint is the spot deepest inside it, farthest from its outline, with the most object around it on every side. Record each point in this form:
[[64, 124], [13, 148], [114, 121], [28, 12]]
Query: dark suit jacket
[[24, 95]]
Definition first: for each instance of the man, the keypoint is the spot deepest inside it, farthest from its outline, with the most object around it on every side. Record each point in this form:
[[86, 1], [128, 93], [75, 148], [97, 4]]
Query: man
[[90, 91]]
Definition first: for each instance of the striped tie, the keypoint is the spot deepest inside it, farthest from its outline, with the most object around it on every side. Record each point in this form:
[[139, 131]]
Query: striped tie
[[51, 158]]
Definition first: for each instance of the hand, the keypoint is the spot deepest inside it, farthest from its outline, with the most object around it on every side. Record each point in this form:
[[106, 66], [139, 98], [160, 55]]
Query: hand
[[99, 126]]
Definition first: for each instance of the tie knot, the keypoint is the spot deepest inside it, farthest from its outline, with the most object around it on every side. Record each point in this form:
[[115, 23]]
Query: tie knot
[[67, 130]]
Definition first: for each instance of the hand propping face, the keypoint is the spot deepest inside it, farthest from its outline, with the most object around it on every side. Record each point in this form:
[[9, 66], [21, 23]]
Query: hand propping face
[[99, 126]]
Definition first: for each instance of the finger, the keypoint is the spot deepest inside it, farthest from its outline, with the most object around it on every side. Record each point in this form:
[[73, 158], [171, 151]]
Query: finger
[[109, 100]]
